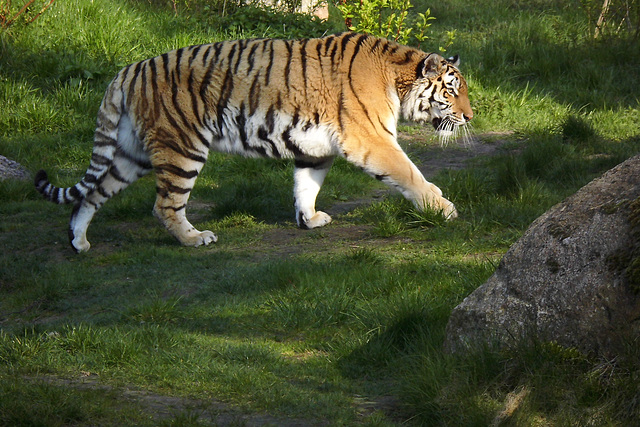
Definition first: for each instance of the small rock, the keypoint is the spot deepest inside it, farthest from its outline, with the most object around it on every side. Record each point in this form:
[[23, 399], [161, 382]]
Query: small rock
[[12, 170]]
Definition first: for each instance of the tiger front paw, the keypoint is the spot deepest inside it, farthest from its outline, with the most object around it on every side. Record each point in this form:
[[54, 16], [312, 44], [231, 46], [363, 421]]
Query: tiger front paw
[[449, 210]]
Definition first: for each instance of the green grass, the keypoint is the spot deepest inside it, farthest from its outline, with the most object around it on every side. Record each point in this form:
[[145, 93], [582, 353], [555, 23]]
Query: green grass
[[279, 324]]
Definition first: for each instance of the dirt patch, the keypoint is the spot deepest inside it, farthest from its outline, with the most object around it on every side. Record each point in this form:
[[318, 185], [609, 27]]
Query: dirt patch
[[161, 408], [455, 155]]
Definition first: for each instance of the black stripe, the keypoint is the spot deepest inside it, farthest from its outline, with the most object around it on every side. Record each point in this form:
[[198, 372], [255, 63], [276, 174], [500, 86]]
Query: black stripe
[[286, 137], [165, 65], [132, 83], [254, 95], [194, 98], [206, 55], [225, 94], [305, 164], [334, 51], [88, 179], [102, 140], [318, 49], [176, 67], [375, 45], [384, 127], [75, 193], [125, 71], [303, 63], [103, 193], [168, 141], [173, 208], [242, 44], [194, 54], [408, 57], [206, 81], [270, 119], [169, 116], [100, 159], [264, 135], [143, 88], [175, 170], [241, 122], [328, 42], [356, 49], [267, 75], [104, 119], [113, 170], [296, 117], [340, 111], [287, 66], [171, 188], [346, 38], [251, 58], [154, 85]]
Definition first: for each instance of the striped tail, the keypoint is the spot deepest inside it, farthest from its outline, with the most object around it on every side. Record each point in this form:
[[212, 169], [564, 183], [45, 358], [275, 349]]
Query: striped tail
[[104, 150], [100, 163]]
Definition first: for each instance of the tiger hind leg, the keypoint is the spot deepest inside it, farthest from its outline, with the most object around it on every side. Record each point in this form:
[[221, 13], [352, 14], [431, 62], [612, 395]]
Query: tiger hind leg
[[122, 172], [308, 178], [173, 187]]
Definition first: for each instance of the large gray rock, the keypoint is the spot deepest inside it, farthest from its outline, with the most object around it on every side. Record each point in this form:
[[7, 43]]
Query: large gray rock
[[573, 277]]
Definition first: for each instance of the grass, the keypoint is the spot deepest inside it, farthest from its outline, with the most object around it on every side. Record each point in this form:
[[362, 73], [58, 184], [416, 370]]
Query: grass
[[342, 325]]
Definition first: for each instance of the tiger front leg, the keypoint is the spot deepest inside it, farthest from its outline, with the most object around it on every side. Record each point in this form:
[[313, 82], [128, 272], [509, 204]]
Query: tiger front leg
[[308, 178], [394, 168]]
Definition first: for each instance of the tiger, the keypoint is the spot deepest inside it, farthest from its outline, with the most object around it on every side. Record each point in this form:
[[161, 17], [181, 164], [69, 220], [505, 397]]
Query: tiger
[[309, 100]]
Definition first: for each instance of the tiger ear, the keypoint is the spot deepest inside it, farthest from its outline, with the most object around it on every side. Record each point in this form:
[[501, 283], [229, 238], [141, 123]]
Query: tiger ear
[[454, 60], [430, 66]]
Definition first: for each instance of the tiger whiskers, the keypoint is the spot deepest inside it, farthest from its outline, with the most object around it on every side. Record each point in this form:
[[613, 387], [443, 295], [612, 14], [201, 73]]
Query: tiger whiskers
[[449, 131]]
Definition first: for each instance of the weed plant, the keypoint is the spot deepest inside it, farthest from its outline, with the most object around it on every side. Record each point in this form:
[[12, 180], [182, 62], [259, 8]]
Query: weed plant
[[342, 325]]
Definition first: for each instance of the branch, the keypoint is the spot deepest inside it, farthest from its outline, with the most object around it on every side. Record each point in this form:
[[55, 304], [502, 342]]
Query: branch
[[10, 21], [41, 11], [601, 18]]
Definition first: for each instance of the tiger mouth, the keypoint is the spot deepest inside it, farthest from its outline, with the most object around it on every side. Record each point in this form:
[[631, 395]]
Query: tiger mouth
[[436, 122]]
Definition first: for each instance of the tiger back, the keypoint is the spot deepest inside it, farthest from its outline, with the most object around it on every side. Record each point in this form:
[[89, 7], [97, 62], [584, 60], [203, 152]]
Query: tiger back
[[309, 100]]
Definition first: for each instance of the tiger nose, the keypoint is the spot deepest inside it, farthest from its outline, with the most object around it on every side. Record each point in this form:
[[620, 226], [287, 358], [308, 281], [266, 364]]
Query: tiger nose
[[467, 117]]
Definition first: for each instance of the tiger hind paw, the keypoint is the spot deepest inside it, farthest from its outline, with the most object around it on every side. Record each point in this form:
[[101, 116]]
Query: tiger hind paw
[[318, 220], [202, 238], [205, 238]]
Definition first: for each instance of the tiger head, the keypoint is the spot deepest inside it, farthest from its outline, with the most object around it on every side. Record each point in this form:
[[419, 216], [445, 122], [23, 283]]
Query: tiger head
[[439, 95]]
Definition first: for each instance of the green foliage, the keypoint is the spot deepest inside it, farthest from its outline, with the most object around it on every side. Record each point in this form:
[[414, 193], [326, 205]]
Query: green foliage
[[265, 21], [389, 19]]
